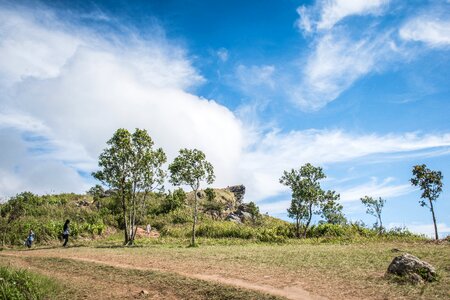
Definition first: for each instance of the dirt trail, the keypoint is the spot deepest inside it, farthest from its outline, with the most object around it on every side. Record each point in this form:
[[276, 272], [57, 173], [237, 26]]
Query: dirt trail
[[293, 291]]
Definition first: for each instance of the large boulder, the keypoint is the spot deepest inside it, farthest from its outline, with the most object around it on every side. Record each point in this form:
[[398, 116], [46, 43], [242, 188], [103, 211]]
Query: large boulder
[[408, 265], [238, 191]]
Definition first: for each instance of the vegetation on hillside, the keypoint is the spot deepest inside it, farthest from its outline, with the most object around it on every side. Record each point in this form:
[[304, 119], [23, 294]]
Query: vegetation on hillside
[[132, 170]]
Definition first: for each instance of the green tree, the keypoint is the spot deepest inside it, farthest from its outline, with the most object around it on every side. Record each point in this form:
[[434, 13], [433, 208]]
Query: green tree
[[190, 168], [211, 205], [430, 182], [173, 201], [131, 167], [332, 210], [253, 210], [97, 193], [307, 195], [374, 207]]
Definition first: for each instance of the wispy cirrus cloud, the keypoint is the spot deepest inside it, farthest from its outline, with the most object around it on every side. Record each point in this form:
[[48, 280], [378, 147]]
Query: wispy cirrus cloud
[[283, 151], [431, 30], [375, 188], [325, 14], [340, 54], [336, 62]]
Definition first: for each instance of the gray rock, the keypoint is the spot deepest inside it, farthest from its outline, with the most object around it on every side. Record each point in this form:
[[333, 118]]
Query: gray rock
[[83, 202], [412, 267], [233, 218], [238, 191], [245, 216]]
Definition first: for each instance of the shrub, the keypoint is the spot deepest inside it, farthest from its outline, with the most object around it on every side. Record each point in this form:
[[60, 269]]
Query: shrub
[[21, 284]]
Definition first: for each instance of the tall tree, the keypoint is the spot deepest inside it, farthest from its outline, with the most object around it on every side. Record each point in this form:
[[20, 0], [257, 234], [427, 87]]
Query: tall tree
[[131, 167], [430, 182], [374, 207], [307, 195], [190, 168]]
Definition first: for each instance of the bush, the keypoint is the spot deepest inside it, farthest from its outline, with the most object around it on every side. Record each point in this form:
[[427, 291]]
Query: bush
[[21, 284]]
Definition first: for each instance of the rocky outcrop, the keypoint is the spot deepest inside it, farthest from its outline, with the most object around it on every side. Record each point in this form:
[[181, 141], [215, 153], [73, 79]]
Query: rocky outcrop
[[238, 191], [241, 215], [416, 270], [83, 202], [233, 218]]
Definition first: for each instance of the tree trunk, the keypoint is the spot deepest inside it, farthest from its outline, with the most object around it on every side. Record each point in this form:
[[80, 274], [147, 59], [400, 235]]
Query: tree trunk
[[297, 225], [133, 215], [380, 229], [195, 218], [309, 221], [434, 220], [124, 209]]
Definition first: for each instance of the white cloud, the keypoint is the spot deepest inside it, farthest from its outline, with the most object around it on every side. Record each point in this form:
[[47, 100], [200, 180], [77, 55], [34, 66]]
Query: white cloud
[[426, 229], [426, 29], [273, 208], [273, 152], [335, 64], [339, 55], [72, 89], [56, 115], [325, 14], [384, 189]]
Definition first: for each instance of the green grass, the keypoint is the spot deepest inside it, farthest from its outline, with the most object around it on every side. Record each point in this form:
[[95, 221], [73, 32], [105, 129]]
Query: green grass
[[334, 270], [21, 284]]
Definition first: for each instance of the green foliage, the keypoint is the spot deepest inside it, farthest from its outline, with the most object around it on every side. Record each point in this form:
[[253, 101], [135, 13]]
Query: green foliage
[[374, 208], [97, 192], [190, 167], [212, 206], [172, 201], [253, 210], [430, 182], [308, 198], [332, 210], [132, 168], [21, 284], [269, 230]]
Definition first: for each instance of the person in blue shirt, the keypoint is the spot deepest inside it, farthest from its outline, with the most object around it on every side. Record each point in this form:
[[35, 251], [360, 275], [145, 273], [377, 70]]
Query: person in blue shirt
[[30, 239]]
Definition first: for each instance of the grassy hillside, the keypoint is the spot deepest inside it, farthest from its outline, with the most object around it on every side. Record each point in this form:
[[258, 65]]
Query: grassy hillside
[[99, 216]]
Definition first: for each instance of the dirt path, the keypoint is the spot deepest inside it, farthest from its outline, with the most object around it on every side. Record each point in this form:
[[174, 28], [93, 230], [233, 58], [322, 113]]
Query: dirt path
[[293, 291]]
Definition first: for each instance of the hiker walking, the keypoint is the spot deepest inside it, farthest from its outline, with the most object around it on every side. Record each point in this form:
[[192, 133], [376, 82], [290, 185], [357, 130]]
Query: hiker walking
[[30, 239], [66, 231]]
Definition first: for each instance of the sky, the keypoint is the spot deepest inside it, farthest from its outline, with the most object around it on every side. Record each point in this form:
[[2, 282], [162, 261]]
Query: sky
[[360, 88]]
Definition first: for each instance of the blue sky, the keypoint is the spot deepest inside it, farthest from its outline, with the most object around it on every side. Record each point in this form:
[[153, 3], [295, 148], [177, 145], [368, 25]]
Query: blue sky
[[360, 88]]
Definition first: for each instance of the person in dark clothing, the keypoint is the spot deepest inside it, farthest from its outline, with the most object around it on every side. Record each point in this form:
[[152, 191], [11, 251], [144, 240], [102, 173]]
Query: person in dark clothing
[[66, 231]]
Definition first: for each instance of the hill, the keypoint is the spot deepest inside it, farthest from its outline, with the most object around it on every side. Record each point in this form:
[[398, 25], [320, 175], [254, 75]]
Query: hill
[[223, 214]]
